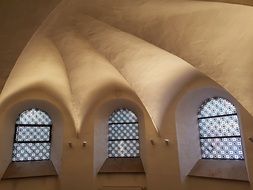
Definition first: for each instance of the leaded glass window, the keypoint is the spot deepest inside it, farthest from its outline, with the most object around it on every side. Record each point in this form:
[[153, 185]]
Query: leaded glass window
[[219, 130], [32, 139], [123, 134]]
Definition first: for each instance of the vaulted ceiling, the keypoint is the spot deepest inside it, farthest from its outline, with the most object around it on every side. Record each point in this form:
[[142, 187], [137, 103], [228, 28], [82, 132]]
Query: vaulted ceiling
[[19, 20]]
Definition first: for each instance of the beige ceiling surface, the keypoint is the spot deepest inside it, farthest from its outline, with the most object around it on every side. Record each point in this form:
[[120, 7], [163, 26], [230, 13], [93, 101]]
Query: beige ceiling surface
[[19, 20], [242, 2], [184, 29], [216, 38]]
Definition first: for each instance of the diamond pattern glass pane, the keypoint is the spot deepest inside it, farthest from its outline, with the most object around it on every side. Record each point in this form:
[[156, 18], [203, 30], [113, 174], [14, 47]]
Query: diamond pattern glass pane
[[219, 130], [31, 151], [127, 148], [34, 116], [123, 116], [123, 134], [216, 106], [32, 137], [123, 131], [222, 148], [27, 133], [219, 126]]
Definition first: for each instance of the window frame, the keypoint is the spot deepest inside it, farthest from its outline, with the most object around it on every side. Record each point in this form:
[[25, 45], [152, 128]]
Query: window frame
[[123, 139], [191, 164], [201, 107], [33, 142], [118, 165]]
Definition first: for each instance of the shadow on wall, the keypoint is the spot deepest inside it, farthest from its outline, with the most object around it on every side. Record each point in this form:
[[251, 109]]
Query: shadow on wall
[[187, 126], [95, 132], [188, 137], [16, 104]]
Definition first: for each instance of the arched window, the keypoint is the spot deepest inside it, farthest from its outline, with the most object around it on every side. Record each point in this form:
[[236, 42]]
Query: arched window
[[123, 135], [32, 139], [219, 130]]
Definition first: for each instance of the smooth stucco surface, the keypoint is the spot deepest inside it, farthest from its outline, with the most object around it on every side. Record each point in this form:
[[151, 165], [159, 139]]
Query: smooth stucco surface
[[215, 38], [90, 57], [19, 20]]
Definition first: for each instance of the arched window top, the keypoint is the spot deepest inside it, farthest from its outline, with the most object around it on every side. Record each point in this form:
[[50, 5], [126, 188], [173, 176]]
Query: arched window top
[[34, 116], [32, 139], [216, 106], [123, 116], [123, 134], [219, 130]]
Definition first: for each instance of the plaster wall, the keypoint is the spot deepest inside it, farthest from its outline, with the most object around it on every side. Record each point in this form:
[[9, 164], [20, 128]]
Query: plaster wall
[[19, 20], [85, 68], [242, 2], [216, 38]]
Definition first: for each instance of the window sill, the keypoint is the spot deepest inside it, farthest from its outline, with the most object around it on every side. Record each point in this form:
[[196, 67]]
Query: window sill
[[29, 169], [220, 169], [122, 165]]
